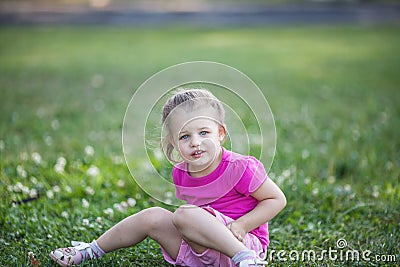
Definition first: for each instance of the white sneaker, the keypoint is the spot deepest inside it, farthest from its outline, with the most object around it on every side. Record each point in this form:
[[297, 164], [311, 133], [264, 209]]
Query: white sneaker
[[73, 256], [252, 263]]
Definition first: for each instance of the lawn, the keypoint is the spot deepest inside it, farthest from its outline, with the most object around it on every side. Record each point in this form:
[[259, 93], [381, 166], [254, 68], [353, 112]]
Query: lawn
[[333, 90]]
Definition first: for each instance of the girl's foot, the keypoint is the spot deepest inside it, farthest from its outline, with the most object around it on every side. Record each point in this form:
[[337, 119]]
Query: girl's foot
[[73, 256], [247, 258], [252, 263]]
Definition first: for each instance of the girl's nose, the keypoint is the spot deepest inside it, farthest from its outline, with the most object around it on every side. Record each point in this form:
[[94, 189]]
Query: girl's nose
[[195, 142]]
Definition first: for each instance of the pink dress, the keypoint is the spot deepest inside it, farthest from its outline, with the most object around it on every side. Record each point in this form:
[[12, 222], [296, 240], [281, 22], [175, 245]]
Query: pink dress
[[227, 191]]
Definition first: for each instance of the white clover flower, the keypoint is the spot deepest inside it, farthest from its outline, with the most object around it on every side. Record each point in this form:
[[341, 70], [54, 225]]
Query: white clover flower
[[17, 188], [65, 214], [331, 179], [89, 190], [131, 202], [34, 180], [55, 124], [50, 194], [124, 205], [99, 220], [89, 150], [121, 183], [109, 211], [60, 165], [37, 159], [34, 218], [307, 181], [48, 140], [85, 222], [375, 192], [121, 207], [305, 154], [61, 161], [347, 188], [85, 203], [117, 160], [21, 171], [315, 191], [56, 189], [93, 171], [68, 189], [25, 190], [58, 168], [20, 188], [286, 173], [168, 194], [158, 154], [33, 193]]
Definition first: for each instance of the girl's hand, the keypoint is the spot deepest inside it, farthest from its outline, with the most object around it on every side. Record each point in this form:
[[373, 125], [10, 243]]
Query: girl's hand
[[237, 230]]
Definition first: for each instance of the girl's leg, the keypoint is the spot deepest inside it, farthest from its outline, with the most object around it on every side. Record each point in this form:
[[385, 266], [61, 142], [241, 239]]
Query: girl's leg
[[155, 223], [202, 230]]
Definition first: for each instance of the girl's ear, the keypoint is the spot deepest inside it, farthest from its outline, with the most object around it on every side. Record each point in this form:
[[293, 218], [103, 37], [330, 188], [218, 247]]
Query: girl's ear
[[171, 141], [221, 133]]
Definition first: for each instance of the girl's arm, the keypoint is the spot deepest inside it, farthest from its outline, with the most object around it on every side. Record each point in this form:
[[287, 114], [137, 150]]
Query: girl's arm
[[271, 202]]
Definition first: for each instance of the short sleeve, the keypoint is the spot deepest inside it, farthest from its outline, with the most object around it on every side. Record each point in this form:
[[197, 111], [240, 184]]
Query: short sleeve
[[253, 176], [177, 178]]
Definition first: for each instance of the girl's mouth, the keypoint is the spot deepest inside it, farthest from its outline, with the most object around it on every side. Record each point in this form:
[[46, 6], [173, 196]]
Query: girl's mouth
[[197, 154]]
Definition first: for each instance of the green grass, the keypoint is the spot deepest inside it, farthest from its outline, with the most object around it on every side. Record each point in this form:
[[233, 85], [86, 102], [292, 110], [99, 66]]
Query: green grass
[[334, 93]]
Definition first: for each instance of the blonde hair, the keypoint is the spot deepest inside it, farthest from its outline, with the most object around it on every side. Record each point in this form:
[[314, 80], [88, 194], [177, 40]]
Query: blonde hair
[[189, 100]]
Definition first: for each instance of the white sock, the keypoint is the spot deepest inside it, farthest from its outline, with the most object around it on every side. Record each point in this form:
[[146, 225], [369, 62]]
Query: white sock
[[100, 253], [244, 255]]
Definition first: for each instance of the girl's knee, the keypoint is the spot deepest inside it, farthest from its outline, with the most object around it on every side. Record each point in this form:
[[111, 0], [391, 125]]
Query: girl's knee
[[184, 215], [156, 216]]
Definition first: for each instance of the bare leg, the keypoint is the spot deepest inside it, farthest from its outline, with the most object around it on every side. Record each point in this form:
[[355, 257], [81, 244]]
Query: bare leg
[[155, 223], [202, 230]]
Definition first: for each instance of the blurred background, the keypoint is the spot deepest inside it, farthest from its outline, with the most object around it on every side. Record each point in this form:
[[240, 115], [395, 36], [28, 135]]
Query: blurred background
[[203, 12]]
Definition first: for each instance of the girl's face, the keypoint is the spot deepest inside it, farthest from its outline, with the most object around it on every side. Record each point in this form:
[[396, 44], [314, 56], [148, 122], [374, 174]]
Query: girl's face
[[197, 137]]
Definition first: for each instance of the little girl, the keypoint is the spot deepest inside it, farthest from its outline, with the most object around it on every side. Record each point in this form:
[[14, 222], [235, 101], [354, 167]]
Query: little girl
[[229, 197]]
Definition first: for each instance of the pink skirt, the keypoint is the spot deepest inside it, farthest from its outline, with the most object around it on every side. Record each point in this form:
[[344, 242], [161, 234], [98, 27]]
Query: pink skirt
[[188, 257]]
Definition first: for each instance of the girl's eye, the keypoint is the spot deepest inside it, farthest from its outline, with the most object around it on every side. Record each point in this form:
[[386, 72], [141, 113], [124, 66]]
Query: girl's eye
[[184, 137], [203, 133]]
